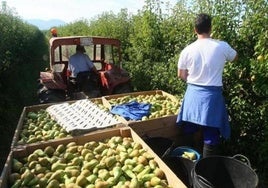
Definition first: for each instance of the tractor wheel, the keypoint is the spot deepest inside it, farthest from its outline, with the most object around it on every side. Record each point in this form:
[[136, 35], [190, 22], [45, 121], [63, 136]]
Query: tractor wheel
[[50, 95], [123, 88]]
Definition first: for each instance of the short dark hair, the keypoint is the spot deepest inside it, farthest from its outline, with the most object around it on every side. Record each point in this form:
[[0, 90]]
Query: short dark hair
[[203, 23], [80, 48]]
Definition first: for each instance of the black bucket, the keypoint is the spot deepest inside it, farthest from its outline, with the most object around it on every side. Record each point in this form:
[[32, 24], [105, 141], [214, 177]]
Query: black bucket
[[159, 144], [224, 172], [181, 166]]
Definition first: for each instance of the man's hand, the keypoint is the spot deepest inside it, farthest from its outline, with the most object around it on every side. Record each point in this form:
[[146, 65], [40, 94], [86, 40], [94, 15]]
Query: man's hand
[[95, 70]]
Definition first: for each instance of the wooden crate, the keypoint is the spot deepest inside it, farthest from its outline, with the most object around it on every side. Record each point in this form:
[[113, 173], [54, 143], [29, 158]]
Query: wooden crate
[[162, 126], [19, 128], [152, 92], [36, 108], [172, 179]]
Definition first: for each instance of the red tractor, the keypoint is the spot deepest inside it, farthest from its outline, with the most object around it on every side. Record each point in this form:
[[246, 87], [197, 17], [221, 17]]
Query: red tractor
[[104, 52]]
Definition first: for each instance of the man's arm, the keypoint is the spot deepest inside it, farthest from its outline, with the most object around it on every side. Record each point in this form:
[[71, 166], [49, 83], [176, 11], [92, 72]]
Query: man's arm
[[91, 65], [236, 57], [183, 73], [94, 69]]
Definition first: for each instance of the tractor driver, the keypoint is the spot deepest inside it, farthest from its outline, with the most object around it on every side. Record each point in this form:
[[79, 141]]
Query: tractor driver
[[79, 70]]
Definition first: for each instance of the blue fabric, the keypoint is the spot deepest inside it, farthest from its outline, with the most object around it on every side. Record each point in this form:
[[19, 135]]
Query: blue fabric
[[205, 106], [132, 110]]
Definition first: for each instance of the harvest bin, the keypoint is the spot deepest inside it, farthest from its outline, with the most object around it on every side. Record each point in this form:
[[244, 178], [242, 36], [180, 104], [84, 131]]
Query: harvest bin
[[100, 102], [171, 178], [164, 126]]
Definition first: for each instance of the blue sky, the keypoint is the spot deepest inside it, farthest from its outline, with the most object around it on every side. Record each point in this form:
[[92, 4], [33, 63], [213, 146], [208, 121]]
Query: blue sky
[[72, 10]]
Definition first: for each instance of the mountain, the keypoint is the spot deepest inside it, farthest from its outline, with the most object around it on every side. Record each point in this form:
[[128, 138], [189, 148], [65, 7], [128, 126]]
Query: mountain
[[45, 24]]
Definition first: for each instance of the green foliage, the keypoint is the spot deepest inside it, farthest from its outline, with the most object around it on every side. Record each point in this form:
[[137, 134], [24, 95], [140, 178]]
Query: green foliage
[[78, 28], [22, 48], [146, 38], [117, 26], [164, 77], [140, 74]]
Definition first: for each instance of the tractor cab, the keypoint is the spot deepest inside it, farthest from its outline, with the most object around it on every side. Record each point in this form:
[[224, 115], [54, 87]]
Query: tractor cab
[[104, 53]]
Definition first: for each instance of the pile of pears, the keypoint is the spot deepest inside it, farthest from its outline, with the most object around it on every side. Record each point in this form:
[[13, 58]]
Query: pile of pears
[[39, 126], [116, 162], [162, 105]]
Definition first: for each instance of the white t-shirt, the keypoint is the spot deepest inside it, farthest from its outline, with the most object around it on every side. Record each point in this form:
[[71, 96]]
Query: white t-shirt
[[205, 59], [79, 62]]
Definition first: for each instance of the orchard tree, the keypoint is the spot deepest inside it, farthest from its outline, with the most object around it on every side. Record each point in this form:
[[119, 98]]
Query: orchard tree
[[76, 28], [113, 25], [146, 38], [22, 47]]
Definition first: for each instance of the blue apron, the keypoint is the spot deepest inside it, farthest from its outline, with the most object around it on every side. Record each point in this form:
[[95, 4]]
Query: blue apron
[[205, 106]]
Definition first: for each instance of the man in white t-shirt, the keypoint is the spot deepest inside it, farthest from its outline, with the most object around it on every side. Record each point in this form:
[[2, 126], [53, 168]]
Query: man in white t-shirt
[[80, 69], [201, 65]]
